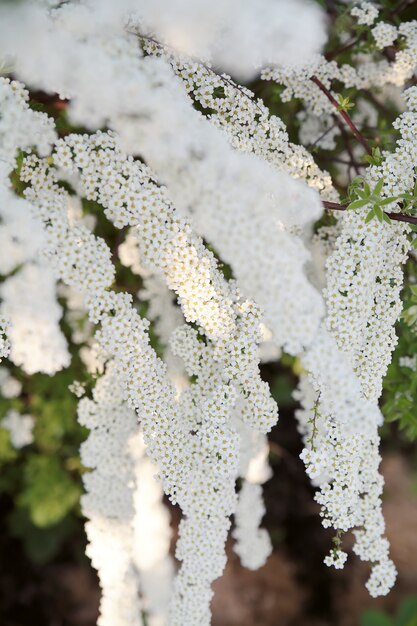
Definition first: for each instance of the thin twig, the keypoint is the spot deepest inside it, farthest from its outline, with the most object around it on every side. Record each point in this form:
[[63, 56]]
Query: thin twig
[[396, 217], [324, 134], [342, 114], [345, 137]]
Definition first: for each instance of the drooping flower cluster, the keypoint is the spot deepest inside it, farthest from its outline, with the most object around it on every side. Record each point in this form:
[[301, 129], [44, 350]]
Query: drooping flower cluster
[[226, 376], [108, 501], [364, 280], [28, 295]]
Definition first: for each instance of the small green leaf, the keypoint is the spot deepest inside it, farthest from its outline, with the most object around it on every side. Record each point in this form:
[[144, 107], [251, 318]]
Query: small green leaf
[[356, 182], [378, 187], [357, 204], [378, 212], [385, 201], [386, 217], [367, 189], [414, 243], [370, 216]]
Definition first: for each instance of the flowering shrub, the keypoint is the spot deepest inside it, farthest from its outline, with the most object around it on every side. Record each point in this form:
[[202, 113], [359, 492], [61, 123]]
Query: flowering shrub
[[166, 228]]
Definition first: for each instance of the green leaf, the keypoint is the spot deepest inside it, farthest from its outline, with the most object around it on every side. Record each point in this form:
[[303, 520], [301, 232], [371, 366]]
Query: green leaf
[[386, 217], [385, 201], [356, 182], [414, 243], [378, 212], [375, 618], [370, 216], [357, 204], [378, 187], [367, 189]]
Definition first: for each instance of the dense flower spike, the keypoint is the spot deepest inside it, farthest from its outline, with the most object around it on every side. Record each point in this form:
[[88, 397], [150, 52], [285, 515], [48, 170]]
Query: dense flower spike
[[226, 368], [108, 501], [29, 300]]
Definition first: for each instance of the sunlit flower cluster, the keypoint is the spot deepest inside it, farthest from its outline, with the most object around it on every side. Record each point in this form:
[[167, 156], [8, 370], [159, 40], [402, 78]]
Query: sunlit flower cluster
[[198, 469]]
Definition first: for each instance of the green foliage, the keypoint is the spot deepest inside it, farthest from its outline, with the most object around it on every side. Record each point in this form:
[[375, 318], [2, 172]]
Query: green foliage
[[41, 544], [409, 313], [344, 103], [365, 196], [375, 158], [41, 484], [375, 618], [406, 615], [48, 491], [400, 385]]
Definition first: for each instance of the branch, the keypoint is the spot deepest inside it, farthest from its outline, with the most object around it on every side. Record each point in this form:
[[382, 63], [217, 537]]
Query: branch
[[396, 217], [343, 114]]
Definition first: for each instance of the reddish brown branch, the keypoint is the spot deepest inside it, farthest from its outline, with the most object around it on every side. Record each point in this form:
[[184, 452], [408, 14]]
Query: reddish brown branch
[[342, 114], [397, 217]]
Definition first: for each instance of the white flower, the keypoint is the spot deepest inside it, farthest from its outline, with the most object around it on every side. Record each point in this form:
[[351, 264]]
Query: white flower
[[20, 428]]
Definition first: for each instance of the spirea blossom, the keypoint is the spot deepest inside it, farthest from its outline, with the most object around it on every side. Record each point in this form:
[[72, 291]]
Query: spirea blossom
[[227, 369], [20, 428], [366, 13]]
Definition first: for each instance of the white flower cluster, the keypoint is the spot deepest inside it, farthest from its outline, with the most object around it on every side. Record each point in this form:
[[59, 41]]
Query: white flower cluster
[[29, 295], [20, 428], [197, 471], [20, 127], [239, 36], [253, 543], [29, 301], [366, 13], [364, 271], [408, 361], [4, 342], [254, 196], [108, 500], [364, 280], [151, 537], [341, 455], [162, 310], [384, 34], [233, 178], [345, 413], [369, 74], [10, 387]]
